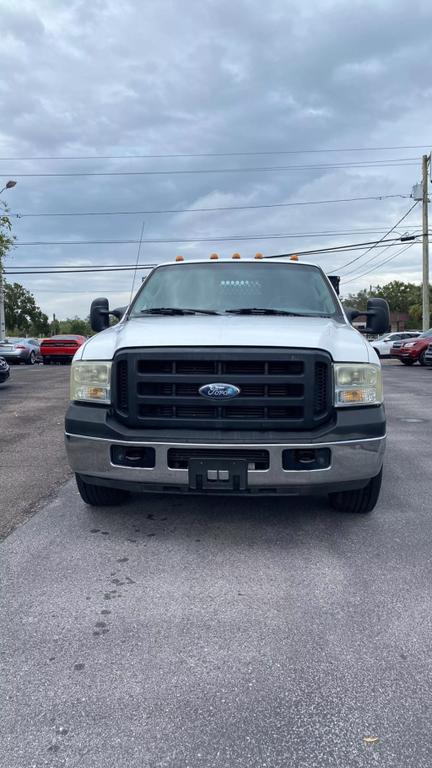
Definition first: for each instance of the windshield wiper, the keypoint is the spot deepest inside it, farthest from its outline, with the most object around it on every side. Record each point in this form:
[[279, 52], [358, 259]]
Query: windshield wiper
[[263, 311], [177, 311]]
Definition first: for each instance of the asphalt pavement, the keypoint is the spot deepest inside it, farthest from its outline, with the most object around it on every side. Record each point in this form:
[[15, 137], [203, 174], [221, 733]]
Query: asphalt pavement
[[32, 457], [189, 633]]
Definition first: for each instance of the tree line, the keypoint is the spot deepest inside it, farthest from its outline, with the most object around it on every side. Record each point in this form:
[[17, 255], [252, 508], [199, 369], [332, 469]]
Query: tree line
[[25, 318], [401, 296]]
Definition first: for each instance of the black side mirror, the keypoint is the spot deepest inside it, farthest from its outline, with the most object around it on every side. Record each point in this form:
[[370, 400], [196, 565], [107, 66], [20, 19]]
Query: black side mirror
[[99, 315], [378, 316], [118, 312]]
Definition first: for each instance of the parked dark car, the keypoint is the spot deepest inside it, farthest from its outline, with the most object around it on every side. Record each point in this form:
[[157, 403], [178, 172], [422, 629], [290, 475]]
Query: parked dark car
[[4, 370], [19, 350], [413, 351], [428, 356]]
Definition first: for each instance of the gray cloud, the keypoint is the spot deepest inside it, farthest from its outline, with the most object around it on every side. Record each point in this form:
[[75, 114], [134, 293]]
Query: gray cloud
[[164, 77]]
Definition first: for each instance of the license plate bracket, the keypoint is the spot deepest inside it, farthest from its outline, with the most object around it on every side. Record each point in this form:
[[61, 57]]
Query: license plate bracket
[[218, 474]]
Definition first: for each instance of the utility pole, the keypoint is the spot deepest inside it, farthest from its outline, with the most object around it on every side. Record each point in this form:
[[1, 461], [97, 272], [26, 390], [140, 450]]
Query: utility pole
[[425, 201]]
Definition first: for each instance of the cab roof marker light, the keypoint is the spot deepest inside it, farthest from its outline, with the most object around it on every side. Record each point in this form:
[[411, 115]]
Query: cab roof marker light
[[236, 256], [294, 257], [214, 256], [179, 258], [259, 256]]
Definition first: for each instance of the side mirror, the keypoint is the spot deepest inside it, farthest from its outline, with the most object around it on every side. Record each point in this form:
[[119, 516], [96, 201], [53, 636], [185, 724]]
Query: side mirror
[[99, 315], [118, 312], [378, 316]]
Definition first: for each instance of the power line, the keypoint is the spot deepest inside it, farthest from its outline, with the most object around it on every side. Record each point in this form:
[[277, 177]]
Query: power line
[[215, 154], [186, 240], [377, 266], [348, 263], [205, 210], [115, 268], [403, 161]]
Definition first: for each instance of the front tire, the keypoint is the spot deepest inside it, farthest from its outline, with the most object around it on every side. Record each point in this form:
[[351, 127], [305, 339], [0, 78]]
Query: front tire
[[422, 358], [361, 501], [100, 495]]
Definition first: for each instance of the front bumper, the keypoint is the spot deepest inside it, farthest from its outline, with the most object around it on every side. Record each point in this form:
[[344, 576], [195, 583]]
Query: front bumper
[[404, 354], [352, 464]]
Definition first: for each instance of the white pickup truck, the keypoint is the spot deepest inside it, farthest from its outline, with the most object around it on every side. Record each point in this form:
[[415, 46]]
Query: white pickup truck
[[229, 377]]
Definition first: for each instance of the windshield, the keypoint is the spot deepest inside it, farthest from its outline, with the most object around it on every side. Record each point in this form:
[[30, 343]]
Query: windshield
[[425, 334], [230, 287]]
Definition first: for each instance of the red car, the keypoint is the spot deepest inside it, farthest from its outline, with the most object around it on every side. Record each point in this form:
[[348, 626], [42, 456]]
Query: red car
[[60, 349], [411, 351]]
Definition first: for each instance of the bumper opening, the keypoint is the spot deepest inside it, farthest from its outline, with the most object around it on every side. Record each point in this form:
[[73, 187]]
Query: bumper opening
[[304, 459]]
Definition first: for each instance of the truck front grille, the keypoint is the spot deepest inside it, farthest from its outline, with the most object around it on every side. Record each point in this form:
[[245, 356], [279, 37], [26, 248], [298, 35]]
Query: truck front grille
[[279, 389]]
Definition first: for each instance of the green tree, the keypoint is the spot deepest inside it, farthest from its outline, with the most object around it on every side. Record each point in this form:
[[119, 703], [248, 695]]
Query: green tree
[[23, 316], [6, 238], [400, 296], [75, 325], [357, 300]]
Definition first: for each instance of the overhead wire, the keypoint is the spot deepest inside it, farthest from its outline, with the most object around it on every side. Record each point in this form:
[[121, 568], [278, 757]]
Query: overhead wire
[[132, 156], [348, 263], [397, 162], [377, 266], [205, 210], [208, 239], [68, 269]]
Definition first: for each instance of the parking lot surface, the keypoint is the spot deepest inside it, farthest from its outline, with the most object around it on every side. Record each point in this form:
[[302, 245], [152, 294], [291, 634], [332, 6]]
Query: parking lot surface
[[32, 456], [197, 633]]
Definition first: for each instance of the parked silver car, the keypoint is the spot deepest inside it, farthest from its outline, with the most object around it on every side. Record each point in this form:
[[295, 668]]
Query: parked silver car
[[20, 350]]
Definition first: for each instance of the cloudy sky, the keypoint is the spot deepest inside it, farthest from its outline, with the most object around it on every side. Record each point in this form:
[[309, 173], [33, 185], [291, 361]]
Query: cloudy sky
[[263, 95]]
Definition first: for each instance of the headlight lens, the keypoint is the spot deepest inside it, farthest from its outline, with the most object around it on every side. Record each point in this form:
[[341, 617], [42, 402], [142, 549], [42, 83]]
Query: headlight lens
[[409, 344], [91, 382], [357, 384]]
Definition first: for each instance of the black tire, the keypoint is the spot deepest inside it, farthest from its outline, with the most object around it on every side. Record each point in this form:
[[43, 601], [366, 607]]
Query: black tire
[[31, 359], [422, 358], [360, 501], [100, 495], [407, 362]]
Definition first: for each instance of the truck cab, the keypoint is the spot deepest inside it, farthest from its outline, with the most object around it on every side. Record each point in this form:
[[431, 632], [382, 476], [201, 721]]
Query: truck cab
[[229, 377]]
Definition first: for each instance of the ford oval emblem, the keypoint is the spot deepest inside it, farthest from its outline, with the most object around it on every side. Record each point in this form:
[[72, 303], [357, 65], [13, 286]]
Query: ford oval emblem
[[219, 391]]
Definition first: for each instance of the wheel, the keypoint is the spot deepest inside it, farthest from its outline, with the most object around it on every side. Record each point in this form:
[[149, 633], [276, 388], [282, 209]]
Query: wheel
[[360, 501], [422, 358], [100, 495], [31, 359], [407, 362]]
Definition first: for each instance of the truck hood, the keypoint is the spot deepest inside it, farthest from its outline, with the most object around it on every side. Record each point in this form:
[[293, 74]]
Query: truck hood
[[341, 340]]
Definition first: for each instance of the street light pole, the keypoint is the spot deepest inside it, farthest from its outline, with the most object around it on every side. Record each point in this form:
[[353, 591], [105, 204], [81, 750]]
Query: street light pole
[[9, 184]]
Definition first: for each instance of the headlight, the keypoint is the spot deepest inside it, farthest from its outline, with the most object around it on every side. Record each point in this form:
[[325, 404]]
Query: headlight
[[91, 382], [410, 344], [357, 384]]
